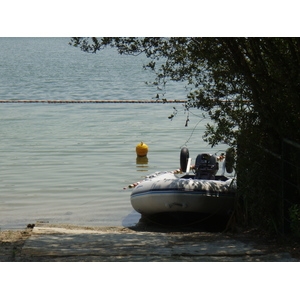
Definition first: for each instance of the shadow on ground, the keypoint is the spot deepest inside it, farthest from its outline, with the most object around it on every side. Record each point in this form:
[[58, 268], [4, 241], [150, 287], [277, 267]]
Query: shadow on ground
[[183, 222]]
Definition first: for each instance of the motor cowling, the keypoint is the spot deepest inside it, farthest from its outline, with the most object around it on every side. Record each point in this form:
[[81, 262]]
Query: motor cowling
[[206, 166]]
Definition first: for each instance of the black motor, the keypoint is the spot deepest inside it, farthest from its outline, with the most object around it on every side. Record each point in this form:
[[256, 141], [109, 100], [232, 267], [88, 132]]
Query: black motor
[[206, 166]]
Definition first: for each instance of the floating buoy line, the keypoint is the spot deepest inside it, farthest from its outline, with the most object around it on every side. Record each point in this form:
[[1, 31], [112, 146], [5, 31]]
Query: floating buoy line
[[94, 102]]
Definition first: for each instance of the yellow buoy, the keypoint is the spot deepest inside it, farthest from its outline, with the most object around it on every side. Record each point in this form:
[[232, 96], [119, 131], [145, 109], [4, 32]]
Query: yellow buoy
[[141, 149]]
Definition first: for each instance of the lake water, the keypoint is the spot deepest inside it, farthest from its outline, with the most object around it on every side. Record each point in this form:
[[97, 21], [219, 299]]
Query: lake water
[[69, 163]]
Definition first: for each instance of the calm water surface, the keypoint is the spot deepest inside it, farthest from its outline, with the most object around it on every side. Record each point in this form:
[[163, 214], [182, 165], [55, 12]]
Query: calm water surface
[[68, 163]]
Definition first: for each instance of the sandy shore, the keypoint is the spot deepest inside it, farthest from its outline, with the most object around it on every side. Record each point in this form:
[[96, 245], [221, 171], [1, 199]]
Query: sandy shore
[[12, 242]]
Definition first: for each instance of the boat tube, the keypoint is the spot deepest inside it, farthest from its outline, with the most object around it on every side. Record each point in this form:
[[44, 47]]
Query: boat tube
[[204, 192]]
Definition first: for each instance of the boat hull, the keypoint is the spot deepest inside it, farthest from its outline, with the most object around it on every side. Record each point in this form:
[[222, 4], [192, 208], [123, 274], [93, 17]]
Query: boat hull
[[167, 193]]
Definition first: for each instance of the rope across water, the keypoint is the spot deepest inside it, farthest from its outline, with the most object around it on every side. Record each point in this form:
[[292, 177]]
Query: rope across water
[[94, 102]]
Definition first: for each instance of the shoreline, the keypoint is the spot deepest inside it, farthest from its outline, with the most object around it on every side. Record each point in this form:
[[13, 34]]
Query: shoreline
[[12, 244]]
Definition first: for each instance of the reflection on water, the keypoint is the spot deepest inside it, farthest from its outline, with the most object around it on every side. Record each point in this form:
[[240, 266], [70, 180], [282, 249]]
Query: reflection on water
[[131, 219], [142, 163]]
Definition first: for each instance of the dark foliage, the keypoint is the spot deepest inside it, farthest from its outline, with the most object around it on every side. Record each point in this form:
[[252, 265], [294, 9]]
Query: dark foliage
[[250, 88]]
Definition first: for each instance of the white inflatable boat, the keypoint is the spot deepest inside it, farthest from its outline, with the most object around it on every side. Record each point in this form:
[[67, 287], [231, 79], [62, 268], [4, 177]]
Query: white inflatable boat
[[204, 192]]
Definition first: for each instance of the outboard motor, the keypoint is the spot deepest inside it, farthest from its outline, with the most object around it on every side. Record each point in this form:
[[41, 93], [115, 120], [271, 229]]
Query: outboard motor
[[206, 166]]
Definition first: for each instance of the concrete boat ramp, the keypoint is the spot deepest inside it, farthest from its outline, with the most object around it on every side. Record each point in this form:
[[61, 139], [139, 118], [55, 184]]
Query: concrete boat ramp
[[69, 243]]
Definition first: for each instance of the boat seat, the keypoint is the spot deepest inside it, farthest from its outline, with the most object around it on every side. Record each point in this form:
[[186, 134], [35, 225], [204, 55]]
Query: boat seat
[[206, 166]]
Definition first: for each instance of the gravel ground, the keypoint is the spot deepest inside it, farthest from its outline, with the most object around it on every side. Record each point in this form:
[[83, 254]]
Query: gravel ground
[[11, 242]]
